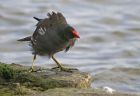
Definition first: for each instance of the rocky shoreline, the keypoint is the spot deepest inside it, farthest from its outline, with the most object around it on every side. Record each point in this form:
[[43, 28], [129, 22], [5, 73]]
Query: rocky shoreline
[[15, 80]]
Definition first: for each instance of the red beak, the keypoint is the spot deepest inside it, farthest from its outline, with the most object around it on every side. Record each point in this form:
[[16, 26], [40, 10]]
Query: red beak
[[75, 34]]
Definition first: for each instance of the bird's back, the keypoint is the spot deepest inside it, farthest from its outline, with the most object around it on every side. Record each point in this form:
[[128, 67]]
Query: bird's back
[[47, 38]]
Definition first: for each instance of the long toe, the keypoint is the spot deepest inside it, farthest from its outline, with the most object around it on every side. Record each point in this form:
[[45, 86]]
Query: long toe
[[36, 70], [55, 67], [68, 69], [31, 70]]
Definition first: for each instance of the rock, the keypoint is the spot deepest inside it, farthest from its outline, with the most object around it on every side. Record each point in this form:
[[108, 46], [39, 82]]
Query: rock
[[43, 79], [15, 80], [49, 78], [78, 92]]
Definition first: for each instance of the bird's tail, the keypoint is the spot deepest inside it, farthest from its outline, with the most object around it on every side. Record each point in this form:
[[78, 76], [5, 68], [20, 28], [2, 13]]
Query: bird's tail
[[25, 39], [37, 19]]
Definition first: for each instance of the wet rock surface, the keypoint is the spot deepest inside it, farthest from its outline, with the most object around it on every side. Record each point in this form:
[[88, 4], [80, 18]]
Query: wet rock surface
[[16, 80]]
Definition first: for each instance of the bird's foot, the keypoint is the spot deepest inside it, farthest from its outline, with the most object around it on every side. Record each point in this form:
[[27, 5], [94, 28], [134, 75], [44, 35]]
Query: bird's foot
[[66, 69], [31, 70], [34, 70]]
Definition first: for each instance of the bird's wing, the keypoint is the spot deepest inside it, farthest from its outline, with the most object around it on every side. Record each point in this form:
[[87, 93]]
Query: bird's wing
[[57, 18], [53, 22]]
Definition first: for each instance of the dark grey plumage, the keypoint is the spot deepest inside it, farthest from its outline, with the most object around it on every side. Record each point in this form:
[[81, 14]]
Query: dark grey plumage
[[52, 35], [25, 39], [37, 19], [46, 39]]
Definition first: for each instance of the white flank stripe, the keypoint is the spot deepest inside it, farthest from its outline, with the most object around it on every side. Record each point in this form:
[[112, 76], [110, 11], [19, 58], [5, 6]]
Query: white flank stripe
[[41, 31]]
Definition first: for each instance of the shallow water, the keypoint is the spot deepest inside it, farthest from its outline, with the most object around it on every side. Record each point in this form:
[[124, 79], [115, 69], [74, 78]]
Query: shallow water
[[109, 46]]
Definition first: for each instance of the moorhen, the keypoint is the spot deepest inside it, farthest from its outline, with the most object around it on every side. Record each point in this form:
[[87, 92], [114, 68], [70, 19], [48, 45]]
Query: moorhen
[[52, 35]]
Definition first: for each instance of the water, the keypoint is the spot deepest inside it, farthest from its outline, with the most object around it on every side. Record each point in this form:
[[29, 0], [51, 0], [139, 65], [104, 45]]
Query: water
[[109, 46]]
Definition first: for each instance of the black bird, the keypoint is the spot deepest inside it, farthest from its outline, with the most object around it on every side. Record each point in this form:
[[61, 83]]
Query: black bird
[[52, 35]]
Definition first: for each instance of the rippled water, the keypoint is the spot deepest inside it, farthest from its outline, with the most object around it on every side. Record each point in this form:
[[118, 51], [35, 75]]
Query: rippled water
[[109, 47]]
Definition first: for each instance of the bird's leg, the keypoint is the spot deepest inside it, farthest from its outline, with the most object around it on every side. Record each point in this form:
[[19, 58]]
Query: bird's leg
[[58, 64], [61, 67], [32, 67]]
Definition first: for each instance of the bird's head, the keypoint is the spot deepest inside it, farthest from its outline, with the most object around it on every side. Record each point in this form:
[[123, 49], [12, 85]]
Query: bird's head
[[70, 33]]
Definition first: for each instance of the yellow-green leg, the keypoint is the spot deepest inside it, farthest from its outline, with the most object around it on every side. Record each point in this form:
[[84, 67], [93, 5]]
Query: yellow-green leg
[[32, 67], [61, 67]]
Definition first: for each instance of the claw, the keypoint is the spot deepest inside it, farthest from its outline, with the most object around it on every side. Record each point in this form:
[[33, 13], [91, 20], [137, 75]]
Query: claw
[[35, 70], [31, 70]]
